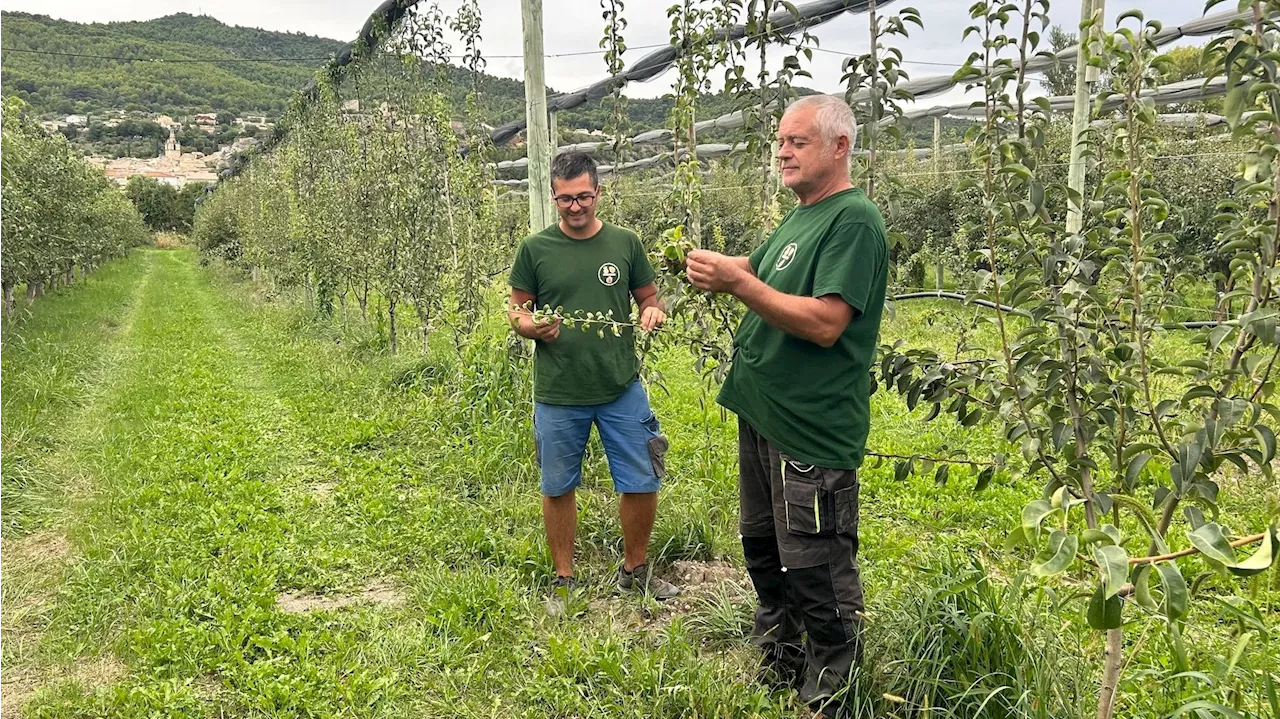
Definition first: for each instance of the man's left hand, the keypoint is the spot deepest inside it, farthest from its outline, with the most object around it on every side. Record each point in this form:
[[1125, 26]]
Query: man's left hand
[[712, 271], [652, 318]]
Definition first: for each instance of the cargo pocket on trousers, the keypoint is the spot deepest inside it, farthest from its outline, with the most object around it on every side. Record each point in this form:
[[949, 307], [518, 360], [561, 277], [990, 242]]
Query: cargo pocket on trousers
[[846, 501], [658, 446], [806, 500]]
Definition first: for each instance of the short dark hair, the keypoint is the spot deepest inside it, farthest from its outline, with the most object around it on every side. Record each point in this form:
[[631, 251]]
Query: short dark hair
[[569, 165]]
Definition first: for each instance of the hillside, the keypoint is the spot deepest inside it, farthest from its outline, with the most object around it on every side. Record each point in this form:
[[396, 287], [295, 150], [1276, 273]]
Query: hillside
[[57, 84], [61, 85]]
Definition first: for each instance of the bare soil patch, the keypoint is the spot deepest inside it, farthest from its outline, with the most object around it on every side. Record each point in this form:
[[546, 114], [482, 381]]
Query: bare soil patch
[[698, 582], [322, 491], [18, 685], [36, 547], [97, 672], [380, 592]]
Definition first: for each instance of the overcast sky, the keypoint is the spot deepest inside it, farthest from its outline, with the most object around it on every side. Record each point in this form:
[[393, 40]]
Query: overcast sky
[[576, 26]]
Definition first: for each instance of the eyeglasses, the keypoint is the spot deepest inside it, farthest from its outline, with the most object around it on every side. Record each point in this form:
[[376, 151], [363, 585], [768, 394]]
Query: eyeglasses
[[583, 201]]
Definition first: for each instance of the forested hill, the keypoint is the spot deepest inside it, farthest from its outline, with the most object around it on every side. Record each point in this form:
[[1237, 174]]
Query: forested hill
[[223, 80], [59, 84]]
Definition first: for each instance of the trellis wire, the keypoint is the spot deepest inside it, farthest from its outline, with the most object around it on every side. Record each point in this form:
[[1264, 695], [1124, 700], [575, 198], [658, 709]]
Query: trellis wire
[[658, 62]]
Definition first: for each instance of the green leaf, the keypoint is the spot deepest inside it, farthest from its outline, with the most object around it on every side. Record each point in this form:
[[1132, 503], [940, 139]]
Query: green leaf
[[1262, 559], [1016, 539], [1033, 515], [1267, 440], [1273, 697], [1174, 604], [1096, 536], [1212, 542], [1247, 616], [1114, 563], [1142, 586], [1036, 192], [1218, 334], [1241, 644], [1234, 104], [1057, 557], [1135, 468], [1200, 707], [984, 478], [1111, 531], [1104, 611]]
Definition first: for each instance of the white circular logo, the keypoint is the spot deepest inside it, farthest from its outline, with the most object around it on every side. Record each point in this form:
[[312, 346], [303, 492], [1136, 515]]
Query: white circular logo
[[788, 254], [608, 274]]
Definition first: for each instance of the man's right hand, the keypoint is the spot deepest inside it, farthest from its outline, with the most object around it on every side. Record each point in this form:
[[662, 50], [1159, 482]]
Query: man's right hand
[[546, 330]]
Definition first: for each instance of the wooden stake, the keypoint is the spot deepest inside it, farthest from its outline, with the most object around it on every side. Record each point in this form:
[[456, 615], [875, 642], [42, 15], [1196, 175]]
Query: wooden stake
[[537, 135]]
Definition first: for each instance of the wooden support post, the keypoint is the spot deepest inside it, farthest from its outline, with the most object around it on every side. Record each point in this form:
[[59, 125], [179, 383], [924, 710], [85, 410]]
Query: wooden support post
[[536, 133]]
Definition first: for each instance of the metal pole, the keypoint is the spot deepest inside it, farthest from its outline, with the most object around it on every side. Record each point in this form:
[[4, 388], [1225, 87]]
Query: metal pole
[[1085, 77], [536, 133], [937, 146], [938, 271]]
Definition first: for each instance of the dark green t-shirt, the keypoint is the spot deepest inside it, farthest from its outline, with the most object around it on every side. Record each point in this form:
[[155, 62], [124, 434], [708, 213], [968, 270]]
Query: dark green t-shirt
[[813, 403], [592, 275]]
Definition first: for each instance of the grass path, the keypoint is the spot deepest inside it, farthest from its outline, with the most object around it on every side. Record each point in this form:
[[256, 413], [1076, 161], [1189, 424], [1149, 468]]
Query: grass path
[[56, 372], [215, 507], [269, 531]]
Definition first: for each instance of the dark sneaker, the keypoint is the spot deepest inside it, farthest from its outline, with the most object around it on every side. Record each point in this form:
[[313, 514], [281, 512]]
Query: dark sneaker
[[563, 589], [641, 579]]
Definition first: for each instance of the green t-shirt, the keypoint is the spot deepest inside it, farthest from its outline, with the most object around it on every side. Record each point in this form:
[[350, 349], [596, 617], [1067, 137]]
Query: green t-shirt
[[813, 403], [592, 275]]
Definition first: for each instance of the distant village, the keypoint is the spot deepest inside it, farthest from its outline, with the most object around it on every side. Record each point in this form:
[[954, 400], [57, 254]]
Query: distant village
[[175, 166]]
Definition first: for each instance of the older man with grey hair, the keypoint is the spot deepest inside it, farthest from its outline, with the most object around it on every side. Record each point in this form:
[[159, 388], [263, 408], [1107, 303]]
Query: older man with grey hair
[[800, 385]]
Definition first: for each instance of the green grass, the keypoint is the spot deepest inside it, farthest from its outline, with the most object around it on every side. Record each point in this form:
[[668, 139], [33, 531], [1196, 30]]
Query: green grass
[[206, 453]]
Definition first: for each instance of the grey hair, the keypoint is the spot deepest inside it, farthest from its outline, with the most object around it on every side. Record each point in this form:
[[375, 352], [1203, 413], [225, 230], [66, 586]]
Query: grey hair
[[833, 118]]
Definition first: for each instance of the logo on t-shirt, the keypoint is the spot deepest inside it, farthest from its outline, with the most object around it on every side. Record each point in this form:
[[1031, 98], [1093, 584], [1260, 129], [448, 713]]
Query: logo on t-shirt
[[788, 254], [608, 274]]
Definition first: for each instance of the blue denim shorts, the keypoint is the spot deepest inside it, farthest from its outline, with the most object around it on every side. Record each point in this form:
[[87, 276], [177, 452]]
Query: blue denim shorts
[[628, 430]]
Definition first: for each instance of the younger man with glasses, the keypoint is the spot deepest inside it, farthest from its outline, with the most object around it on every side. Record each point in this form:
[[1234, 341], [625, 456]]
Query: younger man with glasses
[[582, 264]]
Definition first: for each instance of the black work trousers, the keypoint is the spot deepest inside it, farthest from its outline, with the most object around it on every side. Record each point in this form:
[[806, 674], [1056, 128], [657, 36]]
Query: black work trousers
[[799, 527]]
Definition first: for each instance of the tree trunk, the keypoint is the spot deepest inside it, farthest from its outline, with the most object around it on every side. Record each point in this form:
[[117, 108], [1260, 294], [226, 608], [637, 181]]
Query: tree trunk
[[253, 273], [71, 275], [33, 291], [1110, 673], [363, 297], [8, 301], [937, 276]]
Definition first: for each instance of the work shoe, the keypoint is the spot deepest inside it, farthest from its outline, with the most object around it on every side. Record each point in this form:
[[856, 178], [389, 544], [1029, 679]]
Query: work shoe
[[641, 579], [563, 589]]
